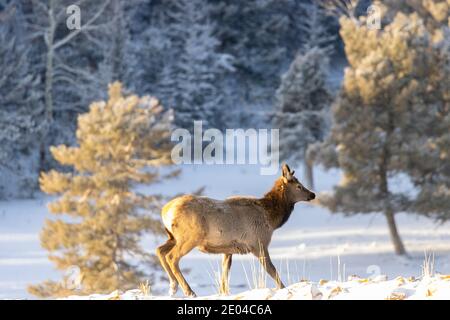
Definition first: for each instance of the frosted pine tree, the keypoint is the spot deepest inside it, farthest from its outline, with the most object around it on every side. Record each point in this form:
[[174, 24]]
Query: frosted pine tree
[[263, 36], [434, 13], [384, 118], [303, 101], [189, 81], [21, 110], [304, 96], [99, 217], [314, 27], [429, 167]]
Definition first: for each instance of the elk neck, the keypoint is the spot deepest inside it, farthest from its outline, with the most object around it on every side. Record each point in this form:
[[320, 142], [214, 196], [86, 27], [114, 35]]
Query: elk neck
[[277, 205]]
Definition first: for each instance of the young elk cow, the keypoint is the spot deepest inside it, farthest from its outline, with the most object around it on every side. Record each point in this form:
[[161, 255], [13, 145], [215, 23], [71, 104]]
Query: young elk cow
[[237, 225]]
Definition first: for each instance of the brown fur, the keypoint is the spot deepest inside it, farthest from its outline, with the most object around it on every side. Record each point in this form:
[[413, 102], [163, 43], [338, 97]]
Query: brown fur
[[237, 225]]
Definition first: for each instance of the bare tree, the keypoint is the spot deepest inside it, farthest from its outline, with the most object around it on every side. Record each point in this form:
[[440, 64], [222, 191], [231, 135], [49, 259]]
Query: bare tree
[[47, 21]]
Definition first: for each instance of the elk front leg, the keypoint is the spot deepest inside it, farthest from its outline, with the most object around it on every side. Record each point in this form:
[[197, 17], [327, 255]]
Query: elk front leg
[[226, 265], [267, 264]]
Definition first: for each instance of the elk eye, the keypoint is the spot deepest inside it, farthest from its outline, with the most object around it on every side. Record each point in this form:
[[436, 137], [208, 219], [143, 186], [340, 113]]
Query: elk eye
[[299, 187]]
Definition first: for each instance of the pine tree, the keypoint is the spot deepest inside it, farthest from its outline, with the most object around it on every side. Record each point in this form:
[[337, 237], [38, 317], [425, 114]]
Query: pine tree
[[101, 217], [389, 110], [430, 168], [304, 95], [303, 101], [189, 82], [434, 13], [263, 36], [21, 121], [314, 28]]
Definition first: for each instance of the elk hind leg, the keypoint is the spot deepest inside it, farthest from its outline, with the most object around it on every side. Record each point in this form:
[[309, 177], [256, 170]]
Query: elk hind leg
[[162, 252], [173, 258]]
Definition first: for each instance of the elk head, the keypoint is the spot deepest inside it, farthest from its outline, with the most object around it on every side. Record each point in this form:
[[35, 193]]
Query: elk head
[[295, 191]]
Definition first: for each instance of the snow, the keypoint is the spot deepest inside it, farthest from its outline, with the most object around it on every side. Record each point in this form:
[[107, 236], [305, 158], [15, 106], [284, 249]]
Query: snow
[[312, 245], [432, 288]]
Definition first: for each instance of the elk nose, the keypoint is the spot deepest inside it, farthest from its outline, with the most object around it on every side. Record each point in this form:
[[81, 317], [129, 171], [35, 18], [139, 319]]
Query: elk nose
[[312, 196]]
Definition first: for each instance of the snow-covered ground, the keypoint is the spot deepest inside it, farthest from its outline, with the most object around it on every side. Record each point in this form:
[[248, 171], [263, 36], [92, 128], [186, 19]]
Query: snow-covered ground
[[376, 288], [312, 245]]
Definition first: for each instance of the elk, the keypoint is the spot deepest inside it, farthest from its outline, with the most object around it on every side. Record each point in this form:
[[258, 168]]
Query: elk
[[236, 225]]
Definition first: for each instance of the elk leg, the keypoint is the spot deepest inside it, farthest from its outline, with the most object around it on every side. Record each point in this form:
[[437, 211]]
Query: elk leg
[[174, 256], [161, 252], [226, 265], [267, 264]]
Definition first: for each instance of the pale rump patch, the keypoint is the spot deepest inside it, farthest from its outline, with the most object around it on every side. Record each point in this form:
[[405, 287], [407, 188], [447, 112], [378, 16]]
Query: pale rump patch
[[168, 217]]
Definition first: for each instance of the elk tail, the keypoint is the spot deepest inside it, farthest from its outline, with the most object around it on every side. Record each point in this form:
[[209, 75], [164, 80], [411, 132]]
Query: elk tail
[[169, 234]]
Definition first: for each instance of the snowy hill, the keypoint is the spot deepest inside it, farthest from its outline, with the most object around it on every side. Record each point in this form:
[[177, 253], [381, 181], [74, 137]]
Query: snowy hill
[[378, 288]]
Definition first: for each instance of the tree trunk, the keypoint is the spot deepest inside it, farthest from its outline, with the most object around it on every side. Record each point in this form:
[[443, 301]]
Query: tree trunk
[[309, 172], [385, 192], [118, 42], [49, 85], [50, 38], [48, 95], [389, 214], [393, 232], [48, 109]]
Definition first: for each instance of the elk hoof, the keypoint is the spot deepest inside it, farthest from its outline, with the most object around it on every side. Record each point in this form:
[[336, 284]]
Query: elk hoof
[[224, 292], [281, 286], [173, 290], [191, 294]]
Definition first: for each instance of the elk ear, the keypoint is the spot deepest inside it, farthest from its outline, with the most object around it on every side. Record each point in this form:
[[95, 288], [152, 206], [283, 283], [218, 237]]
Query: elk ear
[[286, 172]]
